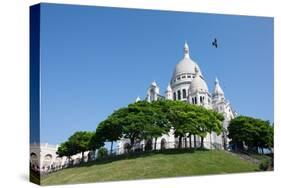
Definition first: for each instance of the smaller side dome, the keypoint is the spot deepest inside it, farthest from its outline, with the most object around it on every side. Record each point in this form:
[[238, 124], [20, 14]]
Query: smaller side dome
[[198, 84], [218, 90]]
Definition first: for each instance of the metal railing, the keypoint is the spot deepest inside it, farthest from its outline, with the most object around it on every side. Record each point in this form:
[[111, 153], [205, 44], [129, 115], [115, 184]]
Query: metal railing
[[139, 147]]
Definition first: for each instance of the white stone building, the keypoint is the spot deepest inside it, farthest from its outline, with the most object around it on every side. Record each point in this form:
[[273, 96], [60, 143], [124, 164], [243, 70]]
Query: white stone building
[[43, 158], [187, 84]]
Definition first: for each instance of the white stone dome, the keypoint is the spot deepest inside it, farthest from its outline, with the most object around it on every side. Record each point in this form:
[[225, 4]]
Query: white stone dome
[[198, 84], [186, 65]]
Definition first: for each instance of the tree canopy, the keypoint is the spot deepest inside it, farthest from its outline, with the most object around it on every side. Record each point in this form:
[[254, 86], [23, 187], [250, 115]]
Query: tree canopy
[[66, 149], [251, 132], [144, 120], [79, 142]]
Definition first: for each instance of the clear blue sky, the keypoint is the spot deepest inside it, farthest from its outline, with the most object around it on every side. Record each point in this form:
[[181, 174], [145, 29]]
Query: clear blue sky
[[95, 60]]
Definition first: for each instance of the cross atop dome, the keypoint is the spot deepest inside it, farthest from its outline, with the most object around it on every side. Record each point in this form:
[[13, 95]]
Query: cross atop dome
[[186, 50]]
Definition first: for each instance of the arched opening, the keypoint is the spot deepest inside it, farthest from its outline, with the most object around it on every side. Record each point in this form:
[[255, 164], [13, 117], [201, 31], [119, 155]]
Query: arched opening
[[179, 95], [184, 93], [148, 145], [138, 147], [33, 157], [163, 143], [127, 147], [175, 96], [34, 161], [47, 161], [58, 161], [201, 99]]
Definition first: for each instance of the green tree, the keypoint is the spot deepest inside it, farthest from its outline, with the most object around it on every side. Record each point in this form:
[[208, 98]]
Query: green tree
[[158, 123], [252, 132], [66, 149], [144, 120], [134, 120], [188, 119], [110, 130], [102, 153], [177, 116], [96, 142], [80, 141], [208, 121]]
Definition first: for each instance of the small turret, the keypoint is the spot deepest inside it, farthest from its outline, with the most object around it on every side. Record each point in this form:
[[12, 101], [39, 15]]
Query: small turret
[[137, 99], [153, 92], [218, 90], [169, 92]]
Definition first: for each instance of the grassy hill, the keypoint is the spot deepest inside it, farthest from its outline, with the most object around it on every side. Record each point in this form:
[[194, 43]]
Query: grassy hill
[[153, 165]]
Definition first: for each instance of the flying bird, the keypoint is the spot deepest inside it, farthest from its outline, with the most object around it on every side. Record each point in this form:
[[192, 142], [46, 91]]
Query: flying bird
[[215, 43]]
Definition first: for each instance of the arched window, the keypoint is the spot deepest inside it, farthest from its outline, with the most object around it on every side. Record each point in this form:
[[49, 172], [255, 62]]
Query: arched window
[[47, 160], [201, 100], [175, 96], [184, 93], [127, 147], [34, 160], [195, 100], [179, 94], [163, 143], [148, 145]]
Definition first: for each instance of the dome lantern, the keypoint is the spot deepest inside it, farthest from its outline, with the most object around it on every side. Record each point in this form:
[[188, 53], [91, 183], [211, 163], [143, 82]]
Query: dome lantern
[[186, 50]]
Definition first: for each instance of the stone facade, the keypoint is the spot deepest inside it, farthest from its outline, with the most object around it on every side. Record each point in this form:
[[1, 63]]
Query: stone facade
[[43, 158], [187, 84]]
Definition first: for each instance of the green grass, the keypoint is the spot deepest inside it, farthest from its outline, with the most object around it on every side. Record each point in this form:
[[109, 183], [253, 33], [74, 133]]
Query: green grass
[[153, 165], [34, 177]]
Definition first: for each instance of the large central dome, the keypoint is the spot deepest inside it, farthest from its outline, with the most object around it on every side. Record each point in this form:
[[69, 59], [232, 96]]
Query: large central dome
[[186, 65]]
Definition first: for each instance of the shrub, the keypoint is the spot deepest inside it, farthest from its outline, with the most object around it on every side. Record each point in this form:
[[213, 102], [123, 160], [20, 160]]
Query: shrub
[[102, 153], [264, 164]]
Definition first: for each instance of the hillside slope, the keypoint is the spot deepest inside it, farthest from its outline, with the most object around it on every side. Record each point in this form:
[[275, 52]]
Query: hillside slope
[[153, 165]]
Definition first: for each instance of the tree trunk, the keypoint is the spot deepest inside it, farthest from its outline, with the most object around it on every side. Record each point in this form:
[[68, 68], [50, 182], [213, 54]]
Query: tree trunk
[[194, 141], [210, 140], [180, 138], [68, 158], [82, 156], [89, 158], [190, 144], [202, 142], [111, 148], [155, 143], [132, 143]]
